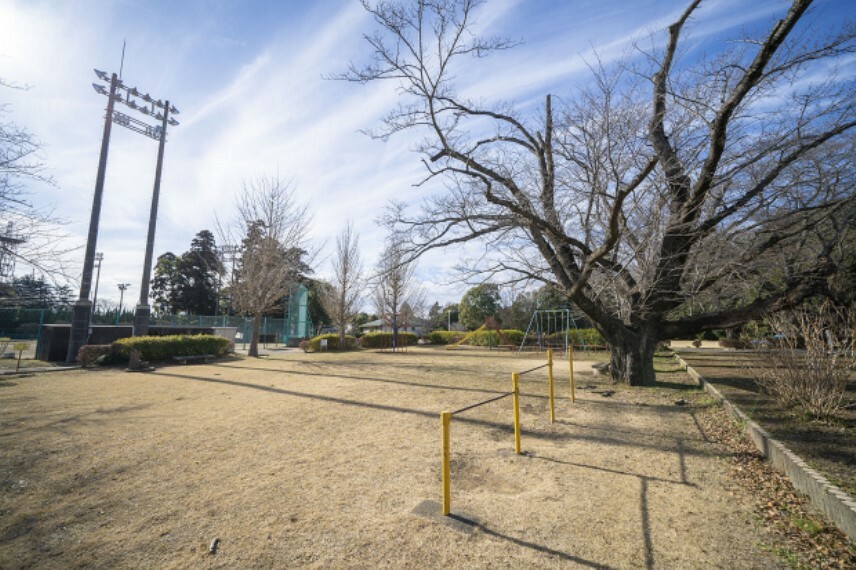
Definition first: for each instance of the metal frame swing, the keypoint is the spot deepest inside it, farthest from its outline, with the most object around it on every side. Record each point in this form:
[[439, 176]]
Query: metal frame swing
[[562, 317]]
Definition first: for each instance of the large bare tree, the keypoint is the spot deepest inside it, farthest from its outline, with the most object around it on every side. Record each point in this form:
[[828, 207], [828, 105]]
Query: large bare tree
[[342, 299], [272, 227], [663, 198]]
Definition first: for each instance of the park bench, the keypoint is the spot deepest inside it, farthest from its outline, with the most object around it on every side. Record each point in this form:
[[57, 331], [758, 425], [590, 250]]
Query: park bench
[[194, 357]]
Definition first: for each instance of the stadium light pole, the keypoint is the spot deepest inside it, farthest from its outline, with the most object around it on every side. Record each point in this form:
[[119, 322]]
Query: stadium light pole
[[143, 310], [122, 288], [99, 258], [157, 109]]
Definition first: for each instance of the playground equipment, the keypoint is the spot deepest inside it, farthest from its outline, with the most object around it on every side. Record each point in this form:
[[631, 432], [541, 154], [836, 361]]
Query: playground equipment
[[551, 329], [446, 421], [490, 324], [465, 338], [547, 325]]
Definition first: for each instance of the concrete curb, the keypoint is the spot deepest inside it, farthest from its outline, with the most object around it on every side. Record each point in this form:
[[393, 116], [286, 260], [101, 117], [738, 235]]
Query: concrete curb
[[38, 370], [834, 502]]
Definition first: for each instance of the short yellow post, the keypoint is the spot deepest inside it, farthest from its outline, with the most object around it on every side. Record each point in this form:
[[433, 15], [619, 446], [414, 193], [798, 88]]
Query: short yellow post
[[515, 389], [571, 364], [446, 420], [550, 379]]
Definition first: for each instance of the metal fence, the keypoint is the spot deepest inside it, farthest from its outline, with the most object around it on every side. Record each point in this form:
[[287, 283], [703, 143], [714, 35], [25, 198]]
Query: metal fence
[[25, 323]]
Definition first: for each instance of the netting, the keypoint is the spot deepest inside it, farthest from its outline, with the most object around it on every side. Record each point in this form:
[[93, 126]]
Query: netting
[[25, 324]]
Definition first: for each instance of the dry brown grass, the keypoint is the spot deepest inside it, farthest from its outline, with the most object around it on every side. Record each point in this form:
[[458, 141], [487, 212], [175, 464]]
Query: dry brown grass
[[320, 459]]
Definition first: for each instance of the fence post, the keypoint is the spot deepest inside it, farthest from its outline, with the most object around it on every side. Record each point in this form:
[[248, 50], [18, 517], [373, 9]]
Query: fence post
[[550, 379], [39, 332], [445, 421], [515, 389], [571, 365]]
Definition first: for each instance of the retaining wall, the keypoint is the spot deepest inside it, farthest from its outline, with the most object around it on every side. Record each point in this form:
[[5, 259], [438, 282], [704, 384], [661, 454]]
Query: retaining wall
[[835, 503]]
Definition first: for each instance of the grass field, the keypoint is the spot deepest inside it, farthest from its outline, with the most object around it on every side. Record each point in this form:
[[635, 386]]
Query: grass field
[[333, 460]]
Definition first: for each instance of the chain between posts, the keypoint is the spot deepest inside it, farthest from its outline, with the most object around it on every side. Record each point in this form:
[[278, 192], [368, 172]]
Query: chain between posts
[[464, 409], [446, 420], [536, 368]]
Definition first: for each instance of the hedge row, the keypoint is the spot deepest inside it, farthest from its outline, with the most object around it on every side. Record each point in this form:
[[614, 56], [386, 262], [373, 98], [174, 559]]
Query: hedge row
[[332, 342], [577, 337], [160, 348], [444, 337], [384, 339], [492, 338]]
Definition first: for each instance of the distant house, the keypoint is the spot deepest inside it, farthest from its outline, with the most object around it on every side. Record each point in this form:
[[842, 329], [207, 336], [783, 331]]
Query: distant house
[[414, 325]]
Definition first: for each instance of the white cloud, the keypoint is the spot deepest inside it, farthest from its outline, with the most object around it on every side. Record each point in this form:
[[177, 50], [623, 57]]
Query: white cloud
[[247, 79]]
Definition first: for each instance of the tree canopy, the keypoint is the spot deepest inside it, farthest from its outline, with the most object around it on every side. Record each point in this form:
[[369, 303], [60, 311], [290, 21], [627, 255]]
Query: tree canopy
[[478, 303], [665, 196], [190, 283]]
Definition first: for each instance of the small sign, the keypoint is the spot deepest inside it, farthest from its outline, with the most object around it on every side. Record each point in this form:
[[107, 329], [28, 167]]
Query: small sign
[[323, 344]]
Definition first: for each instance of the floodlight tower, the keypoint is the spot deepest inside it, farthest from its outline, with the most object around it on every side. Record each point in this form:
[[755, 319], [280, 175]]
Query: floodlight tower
[[159, 110], [122, 288]]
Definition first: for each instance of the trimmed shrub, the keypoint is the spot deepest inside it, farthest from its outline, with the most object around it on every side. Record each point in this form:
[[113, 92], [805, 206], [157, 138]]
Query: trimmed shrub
[[160, 348], [332, 342], [587, 337], [492, 338], [444, 337], [384, 339], [734, 343], [90, 353]]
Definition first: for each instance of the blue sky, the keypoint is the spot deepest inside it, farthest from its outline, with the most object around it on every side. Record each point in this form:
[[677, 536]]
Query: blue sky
[[247, 78]]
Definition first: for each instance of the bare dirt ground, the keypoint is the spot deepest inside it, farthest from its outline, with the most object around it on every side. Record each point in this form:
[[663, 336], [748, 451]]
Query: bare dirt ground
[[327, 460]]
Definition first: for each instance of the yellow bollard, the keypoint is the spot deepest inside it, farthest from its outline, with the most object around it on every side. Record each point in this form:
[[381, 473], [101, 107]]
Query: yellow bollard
[[515, 388], [571, 363], [446, 420], [550, 379]]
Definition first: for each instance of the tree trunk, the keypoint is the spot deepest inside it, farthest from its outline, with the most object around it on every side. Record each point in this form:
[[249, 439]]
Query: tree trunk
[[632, 357], [254, 340]]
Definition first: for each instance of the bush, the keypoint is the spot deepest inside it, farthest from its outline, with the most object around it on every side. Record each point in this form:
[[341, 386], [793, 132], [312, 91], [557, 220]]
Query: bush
[[384, 340], [444, 337], [491, 338], [585, 337], [161, 348], [90, 353], [332, 342], [813, 379], [738, 343]]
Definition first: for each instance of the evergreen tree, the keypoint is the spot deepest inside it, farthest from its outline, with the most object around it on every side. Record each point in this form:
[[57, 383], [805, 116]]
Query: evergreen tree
[[478, 303], [199, 270], [165, 285]]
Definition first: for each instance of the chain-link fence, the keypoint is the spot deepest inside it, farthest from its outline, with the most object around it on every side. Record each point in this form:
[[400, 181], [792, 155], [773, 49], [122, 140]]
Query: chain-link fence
[[26, 323]]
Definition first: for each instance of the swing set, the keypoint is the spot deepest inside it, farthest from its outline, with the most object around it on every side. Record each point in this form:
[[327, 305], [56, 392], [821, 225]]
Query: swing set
[[550, 328]]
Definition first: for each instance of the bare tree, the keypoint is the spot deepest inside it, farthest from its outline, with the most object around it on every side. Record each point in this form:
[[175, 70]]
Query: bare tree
[[657, 185], [30, 234], [272, 228], [342, 299], [397, 295]]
